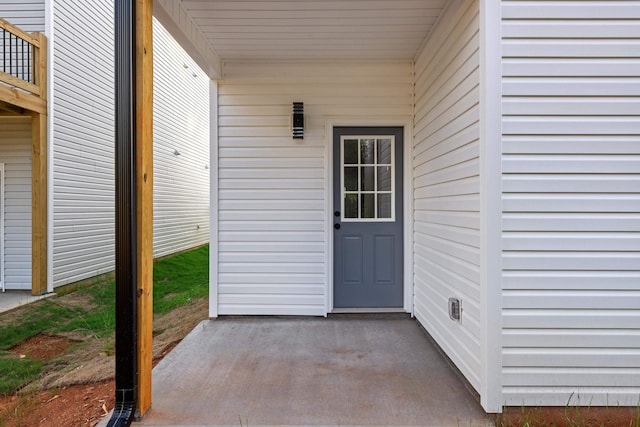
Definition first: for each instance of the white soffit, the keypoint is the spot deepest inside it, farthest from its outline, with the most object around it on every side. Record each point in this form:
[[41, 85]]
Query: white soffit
[[315, 29]]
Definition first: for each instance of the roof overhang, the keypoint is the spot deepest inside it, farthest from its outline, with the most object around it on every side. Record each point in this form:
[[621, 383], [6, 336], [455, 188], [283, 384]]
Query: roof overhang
[[215, 31]]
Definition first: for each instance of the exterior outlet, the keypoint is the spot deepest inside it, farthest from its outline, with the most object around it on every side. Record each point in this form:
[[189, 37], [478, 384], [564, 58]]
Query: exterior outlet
[[455, 309]]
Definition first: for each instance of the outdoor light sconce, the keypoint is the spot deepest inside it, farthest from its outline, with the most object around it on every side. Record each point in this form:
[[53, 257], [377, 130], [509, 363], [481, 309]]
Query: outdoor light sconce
[[297, 120], [455, 309]]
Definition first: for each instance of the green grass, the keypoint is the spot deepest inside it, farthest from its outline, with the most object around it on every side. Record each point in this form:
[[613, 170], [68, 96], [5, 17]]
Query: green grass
[[38, 318], [99, 320], [16, 372], [180, 278], [177, 281]]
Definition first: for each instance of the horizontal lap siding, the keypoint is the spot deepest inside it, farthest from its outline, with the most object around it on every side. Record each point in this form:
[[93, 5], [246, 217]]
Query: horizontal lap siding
[[272, 189], [15, 153], [29, 15], [83, 138], [181, 122], [446, 186], [571, 197]]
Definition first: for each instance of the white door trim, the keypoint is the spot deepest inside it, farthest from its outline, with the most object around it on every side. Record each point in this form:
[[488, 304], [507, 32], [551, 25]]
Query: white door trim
[[407, 200]]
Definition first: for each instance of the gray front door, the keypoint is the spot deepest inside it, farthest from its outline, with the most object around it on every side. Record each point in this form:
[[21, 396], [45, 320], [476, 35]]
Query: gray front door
[[367, 200]]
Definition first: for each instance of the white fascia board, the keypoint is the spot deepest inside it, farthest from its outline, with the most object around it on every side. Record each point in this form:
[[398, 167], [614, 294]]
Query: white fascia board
[[490, 205], [177, 21]]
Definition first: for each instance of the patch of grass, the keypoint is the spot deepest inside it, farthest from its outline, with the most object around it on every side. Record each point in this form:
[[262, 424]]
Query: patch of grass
[[38, 317], [525, 417], [14, 373], [109, 347], [178, 279], [100, 320]]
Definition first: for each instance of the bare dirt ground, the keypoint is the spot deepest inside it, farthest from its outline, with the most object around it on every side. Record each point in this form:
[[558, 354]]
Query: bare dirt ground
[[78, 405], [572, 416], [77, 387]]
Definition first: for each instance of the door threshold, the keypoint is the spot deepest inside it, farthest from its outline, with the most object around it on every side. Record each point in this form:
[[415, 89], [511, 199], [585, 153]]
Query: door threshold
[[368, 310]]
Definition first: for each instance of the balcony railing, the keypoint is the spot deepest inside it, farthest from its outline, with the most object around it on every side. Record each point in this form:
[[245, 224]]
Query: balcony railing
[[22, 59]]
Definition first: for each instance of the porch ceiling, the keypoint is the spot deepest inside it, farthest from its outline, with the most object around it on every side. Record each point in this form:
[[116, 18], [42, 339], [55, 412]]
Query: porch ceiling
[[314, 29]]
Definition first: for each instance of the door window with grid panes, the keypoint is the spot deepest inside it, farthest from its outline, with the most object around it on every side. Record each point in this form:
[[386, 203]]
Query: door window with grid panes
[[367, 178]]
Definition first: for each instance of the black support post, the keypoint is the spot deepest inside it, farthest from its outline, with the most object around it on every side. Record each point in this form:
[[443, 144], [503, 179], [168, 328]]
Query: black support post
[[126, 275]]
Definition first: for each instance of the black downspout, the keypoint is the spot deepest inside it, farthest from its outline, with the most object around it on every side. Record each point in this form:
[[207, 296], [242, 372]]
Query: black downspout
[[126, 275]]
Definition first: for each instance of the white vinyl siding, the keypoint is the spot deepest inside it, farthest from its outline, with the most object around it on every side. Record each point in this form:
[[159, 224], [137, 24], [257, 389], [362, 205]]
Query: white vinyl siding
[[83, 138], [446, 186], [29, 15], [15, 153], [181, 122], [571, 202], [272, 189]]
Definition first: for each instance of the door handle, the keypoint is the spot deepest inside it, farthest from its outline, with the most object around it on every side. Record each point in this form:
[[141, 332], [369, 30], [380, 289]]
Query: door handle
[[336, 226], [336, 213]]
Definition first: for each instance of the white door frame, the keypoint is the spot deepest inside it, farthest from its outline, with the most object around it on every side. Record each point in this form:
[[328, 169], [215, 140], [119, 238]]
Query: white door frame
[[407, 200]]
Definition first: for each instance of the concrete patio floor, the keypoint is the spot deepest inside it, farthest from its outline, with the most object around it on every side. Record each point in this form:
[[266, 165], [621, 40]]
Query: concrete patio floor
[[347, 371]]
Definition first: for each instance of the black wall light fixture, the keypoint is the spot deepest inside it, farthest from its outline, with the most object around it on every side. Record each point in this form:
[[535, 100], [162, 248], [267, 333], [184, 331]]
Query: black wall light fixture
[[297, 120]]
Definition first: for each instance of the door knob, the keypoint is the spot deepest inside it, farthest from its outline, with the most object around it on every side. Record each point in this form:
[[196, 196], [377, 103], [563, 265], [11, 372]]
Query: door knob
[[336, 226], [336, 213]]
